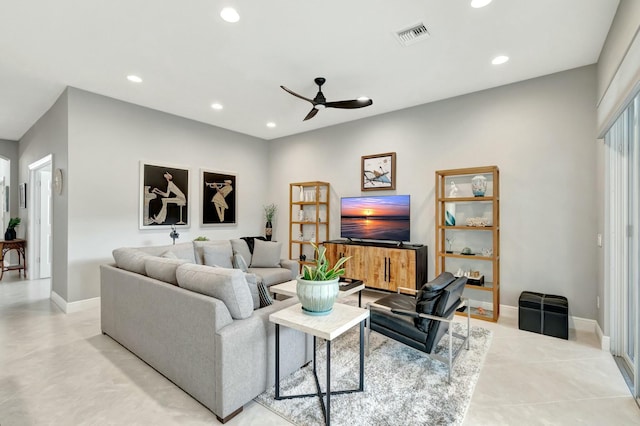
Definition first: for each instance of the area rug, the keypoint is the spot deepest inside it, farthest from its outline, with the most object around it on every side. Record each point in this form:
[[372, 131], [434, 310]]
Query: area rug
[[402, 385]]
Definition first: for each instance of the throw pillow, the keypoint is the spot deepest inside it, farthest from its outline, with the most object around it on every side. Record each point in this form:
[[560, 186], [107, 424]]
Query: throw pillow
[[240, 246], [218, 255], [183, 251], [227, 285], [169, 255], [266, 254], [252, 282], [163, 269], [223, 247], [239, 263], [130, 259], [265, 298]]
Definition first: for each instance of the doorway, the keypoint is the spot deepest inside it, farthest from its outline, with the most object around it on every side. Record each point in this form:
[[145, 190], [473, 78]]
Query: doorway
[[40, 219]]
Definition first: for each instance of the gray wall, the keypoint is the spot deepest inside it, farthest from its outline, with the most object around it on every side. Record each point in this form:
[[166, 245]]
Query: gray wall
[[107, 141], [49, 136], [9, 150], [540, 132]]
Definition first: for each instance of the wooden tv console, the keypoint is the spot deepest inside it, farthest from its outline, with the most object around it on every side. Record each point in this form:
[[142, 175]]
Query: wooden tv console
[[382, 266]]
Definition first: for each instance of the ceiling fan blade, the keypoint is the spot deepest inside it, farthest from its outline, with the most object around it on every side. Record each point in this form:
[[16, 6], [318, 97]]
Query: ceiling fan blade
[[349, 104], [311, 114], [298, 96]]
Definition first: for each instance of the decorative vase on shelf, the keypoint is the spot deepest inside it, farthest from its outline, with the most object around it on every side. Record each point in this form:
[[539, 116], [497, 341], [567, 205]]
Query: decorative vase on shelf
[[479, 186], [450, 214], [10, 234], [302, 193], [268, 230]]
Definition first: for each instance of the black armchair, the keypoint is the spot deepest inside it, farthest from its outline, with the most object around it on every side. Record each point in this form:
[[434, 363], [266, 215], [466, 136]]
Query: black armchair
[[420, 321]]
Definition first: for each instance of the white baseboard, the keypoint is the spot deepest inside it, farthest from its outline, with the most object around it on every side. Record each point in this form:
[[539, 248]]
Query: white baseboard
[[577, 323], [71, 307]]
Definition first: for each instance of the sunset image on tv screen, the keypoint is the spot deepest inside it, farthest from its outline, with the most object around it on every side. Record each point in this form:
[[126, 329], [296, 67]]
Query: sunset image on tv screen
[[377, 217]]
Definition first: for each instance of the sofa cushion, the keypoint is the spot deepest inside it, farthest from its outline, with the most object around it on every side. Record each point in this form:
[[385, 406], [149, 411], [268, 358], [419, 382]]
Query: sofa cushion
[[163, 269], [218, 255], [271, 276], [239, 262], [130, 259], [240, 246], [228, 285], [266, 254], [169, 255], [223, 247]]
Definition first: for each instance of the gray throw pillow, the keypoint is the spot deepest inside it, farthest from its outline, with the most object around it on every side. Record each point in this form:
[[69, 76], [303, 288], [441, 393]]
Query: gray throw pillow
[[223, 246], [266, 254], [227, 285], [218, 255], [252, 282], [163, 269], [241, 247], [169, 255], [130, 259], [183, 251], [239, 263]]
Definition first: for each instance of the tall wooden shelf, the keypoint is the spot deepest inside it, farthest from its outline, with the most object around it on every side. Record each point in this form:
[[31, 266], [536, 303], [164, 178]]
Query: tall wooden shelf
[[313, 200], [485, 298]]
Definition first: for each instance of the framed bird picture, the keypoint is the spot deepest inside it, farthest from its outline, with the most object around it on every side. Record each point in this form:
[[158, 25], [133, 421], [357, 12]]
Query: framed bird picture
[[379, 172]]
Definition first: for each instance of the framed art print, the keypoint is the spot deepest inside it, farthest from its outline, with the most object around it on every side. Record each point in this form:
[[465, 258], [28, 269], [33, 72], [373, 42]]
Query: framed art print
[[164, 196], [218, 195], [379, 172]]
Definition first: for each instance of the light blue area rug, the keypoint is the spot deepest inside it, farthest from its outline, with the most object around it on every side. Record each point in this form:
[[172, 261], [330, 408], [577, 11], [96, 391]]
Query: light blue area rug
[[402, 385]]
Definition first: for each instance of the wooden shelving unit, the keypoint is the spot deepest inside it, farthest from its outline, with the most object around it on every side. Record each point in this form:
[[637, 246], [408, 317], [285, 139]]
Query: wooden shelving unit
[[484, 241], [311, 200]]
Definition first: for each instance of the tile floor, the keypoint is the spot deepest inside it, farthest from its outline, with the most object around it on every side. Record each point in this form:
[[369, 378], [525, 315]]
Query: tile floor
[[58, 369]]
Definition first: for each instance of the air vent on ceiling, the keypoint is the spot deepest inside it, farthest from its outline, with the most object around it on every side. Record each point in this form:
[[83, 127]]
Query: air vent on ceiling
[[412, 34]]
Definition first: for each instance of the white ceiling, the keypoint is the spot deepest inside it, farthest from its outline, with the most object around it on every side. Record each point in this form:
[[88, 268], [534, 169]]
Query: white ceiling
[[190, 58]]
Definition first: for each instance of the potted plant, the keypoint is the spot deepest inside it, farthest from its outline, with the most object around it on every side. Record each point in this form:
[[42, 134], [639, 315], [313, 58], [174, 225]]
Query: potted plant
[[10, 234], [269, 213], [318, 286]]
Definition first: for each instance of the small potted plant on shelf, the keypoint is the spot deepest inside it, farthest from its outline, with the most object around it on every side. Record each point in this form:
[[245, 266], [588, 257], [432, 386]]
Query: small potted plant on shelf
[[10, 234], [269, 213], [318, 286]]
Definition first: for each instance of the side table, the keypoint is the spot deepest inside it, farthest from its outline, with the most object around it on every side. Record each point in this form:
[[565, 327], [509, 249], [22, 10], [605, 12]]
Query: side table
[[19, 246], [327, 327]]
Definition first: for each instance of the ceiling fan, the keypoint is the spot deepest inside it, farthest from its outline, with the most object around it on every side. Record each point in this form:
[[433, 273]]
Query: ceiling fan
[[320, 102]]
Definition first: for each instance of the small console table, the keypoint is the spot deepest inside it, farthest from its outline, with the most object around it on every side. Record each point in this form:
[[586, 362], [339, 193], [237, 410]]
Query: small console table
[[19, 246]]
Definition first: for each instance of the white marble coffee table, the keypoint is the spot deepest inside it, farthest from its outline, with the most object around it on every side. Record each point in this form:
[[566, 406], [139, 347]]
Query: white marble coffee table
[[327, 327], [289, 289]]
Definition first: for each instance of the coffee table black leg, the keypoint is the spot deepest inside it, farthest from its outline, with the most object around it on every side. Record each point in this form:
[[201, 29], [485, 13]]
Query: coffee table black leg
[[361, 388], [328, 416], [360, 299], [277, 361]]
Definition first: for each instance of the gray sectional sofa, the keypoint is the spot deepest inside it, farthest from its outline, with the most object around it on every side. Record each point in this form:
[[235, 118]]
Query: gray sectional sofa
[[200, 326]]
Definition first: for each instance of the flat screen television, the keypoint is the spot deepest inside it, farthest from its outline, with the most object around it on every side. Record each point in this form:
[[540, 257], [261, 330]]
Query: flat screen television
[[379, 217]]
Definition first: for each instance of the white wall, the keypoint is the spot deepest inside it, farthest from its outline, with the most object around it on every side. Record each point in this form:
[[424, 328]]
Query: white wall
[[541, 133], [107, 140]]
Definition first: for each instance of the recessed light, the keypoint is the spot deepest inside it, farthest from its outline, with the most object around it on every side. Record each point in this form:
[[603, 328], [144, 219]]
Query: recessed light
[[216, 106], [271, 124], [229, 14], [134, 79], [363, 99], [498, 60], [479, 3]]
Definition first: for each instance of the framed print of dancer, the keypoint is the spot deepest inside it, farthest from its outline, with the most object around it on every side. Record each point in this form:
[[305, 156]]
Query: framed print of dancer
[[164, 196], [218, 195]]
